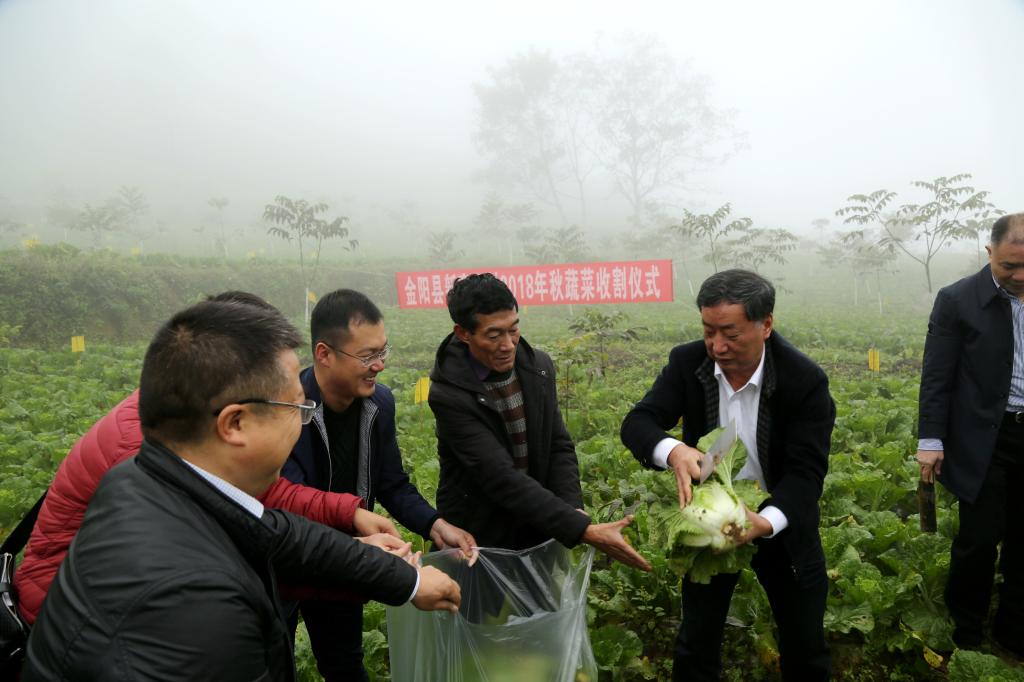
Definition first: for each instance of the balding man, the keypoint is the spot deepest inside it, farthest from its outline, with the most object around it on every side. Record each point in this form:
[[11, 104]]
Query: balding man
[[971, 427]]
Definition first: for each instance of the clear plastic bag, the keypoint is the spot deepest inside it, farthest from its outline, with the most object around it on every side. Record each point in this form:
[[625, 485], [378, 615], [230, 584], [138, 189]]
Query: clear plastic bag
[[523, 619]]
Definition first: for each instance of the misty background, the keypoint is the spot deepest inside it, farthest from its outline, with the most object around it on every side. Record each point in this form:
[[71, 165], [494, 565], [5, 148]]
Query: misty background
[[377, 110]]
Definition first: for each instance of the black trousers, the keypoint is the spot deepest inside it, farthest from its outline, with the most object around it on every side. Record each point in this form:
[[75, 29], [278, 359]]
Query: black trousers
[[336, 635], [991, 519], [797, 596]]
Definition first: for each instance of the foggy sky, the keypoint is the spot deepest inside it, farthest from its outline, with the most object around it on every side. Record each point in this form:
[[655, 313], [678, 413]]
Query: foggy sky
[[371, 104]]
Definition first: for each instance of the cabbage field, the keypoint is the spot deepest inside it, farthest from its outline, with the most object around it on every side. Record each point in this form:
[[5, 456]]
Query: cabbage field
[[885, 618]]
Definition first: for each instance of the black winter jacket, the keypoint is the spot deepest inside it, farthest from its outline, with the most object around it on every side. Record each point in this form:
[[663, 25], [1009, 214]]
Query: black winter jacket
[[794, 429], [479, 489], [379, 473], [168, 579], [965, 380]]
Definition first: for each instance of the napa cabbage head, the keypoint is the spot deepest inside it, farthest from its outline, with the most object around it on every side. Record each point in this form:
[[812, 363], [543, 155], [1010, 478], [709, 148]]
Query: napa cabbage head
[[703, 539], [715, 518]]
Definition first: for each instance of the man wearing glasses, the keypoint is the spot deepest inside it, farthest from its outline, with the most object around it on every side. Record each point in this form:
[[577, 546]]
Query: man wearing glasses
[[172, 574], [350, 447], [116, 437]]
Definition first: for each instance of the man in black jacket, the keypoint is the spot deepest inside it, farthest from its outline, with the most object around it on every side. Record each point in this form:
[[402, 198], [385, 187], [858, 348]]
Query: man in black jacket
[[508, 466], [173, 573], [971, 426], [350, 446], [779, 399]]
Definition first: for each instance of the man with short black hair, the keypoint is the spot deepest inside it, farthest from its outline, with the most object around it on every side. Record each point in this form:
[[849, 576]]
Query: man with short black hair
[[350, 446], [172, 574], [508, 465], [971, 426], [744, 371], [116, 437]]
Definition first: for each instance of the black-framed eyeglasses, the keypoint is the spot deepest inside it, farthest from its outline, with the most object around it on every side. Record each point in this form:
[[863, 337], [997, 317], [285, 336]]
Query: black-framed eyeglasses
[[367, 360], [305, 408]]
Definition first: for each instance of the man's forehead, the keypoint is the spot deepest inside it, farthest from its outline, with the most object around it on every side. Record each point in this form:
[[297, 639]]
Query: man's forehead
[[502, 319], [729, 314], [498, 326], [1009, 252], [725, 325], [367, 333]]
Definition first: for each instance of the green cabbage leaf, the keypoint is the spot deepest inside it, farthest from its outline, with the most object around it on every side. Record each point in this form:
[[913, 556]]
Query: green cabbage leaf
[[702, 539]]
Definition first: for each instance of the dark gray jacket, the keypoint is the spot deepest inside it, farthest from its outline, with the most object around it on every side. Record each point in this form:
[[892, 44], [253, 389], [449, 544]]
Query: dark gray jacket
[[479, 488], [380, 474], [168, 579], [965, 380]]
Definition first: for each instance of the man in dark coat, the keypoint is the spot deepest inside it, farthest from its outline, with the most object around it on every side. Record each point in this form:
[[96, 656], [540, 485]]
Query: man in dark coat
[[971, 426], [350, 446], [508, 466], [172, 575], [744, 372]]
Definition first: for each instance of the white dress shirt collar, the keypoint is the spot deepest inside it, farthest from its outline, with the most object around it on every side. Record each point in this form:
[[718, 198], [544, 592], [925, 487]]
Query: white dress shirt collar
[[239, 497], [754, 380]]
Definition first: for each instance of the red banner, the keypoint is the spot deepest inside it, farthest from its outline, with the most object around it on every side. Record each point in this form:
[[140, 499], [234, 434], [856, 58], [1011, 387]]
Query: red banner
[[639, 281]]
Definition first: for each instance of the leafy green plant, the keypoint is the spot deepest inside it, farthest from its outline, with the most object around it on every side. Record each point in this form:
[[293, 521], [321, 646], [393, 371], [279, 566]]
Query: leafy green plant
[[973, 666], [703, 539]]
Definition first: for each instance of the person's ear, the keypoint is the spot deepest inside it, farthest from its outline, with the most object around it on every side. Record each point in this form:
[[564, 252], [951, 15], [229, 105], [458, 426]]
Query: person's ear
[[767, 324], [231, 423], [322, 354], [462, 333]]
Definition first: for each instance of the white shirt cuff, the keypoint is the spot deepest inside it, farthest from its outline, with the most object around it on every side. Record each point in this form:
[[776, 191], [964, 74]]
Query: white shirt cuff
[[662, 451], [930, 444], [776, 518], [416, 587]]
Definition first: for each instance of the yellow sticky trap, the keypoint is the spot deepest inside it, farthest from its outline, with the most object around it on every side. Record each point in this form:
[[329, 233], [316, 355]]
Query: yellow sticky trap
[[874, 360], [311, 296], [136, 251], [422, 390], [250, 255], [30, 243], [77, 344]]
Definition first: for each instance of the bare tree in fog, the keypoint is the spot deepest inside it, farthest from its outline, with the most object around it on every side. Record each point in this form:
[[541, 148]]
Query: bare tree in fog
[[711, 229], [537, 131], [99, 221], [441, 247], [821, 224], [564, 129], [921, 230], [131, 206], [61, 214], [501, 221], [656, 121], [297, 220], [564, 245], [866, 258], [980, 227], [221, 241], [753, 247]]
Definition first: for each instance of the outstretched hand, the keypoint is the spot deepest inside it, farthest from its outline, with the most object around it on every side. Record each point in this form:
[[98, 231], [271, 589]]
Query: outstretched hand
[[608, 538], [388, 543], [447, 536], [369, 523]]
